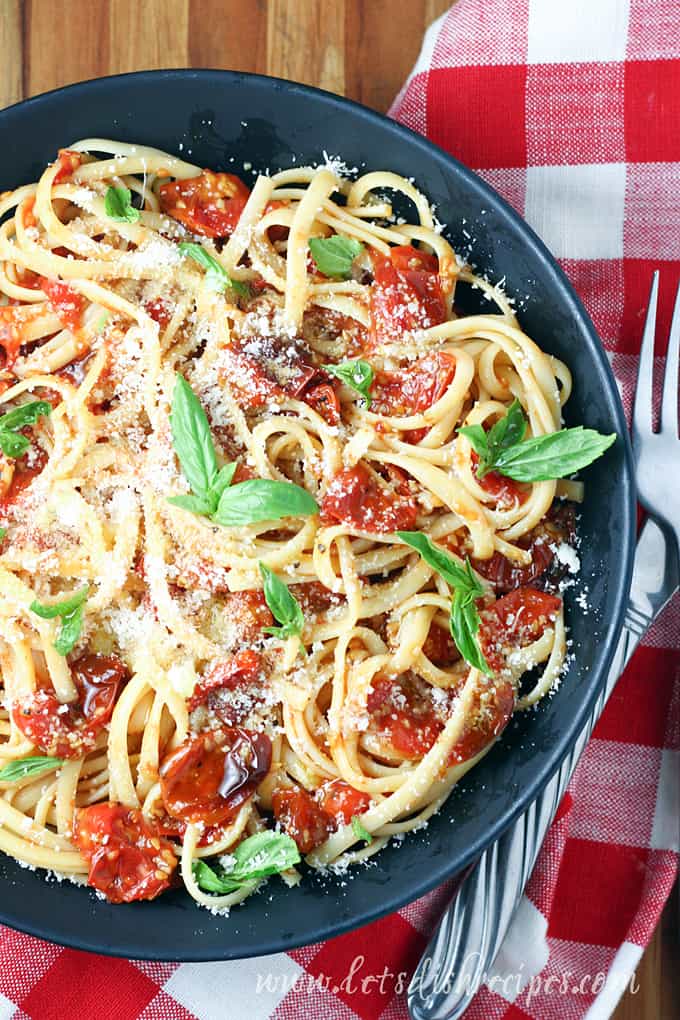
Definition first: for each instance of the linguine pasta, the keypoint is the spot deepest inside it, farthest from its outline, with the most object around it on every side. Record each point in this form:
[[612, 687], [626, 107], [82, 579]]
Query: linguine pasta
[[163, 707]]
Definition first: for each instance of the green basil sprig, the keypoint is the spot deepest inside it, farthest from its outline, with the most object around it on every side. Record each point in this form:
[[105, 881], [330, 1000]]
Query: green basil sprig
[[12, 441], [464, 620], [504, 449], [3, 532], [195, 450], [257, 857], [70, 611], [118, 205], [212, 494], [22, 768], [360, 831], [216, 275], [262, 499], [358, 375], [334, 255], [284, 607]]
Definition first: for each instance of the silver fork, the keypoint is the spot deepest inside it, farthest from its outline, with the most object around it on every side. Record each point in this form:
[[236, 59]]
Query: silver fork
[[657, 454], [473, 927]]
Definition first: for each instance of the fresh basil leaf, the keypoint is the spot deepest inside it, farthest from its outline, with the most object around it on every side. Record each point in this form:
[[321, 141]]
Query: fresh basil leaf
[[216, 276], [22, 768], [360, 831], [265, 853], [464, 624], [454, 574], [334, 255], [262, 499], [14, 444], [195, 504], [284, 607], [71, 612], [257, 857], [543, 458], [553, 456], [358, 375], [50, 610], [224, 478], [3, 532], [25, 414], [464, 620], [118, 205], [192, 440]]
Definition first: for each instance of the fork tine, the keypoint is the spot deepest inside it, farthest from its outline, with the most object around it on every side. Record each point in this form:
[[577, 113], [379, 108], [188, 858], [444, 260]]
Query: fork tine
[[642, 405], [669, 400]]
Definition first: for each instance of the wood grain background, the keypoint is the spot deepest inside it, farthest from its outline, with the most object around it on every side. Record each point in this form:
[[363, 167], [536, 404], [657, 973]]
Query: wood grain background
[[361, 48]]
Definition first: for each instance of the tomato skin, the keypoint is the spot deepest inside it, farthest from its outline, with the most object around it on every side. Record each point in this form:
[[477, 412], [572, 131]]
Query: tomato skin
[[242, 668], [209, 776], [403, 717], [129, 858], [323, 399], [491, 711], [210, 204], [249, 612], [355, 497], [341, 801], [406, 294], [413, 389], [301, 817], [72, 733], [505, 575], [66, 303], [68, 161], [520, 617]]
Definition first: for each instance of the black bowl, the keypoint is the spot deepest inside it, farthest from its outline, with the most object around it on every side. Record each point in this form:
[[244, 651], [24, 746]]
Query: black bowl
[[224, 120]]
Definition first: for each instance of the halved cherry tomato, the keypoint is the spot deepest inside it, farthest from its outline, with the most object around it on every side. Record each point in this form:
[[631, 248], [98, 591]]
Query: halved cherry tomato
[[355, 497], [315, 598], [341, 801], [518, 618], [506, 491], [210, 204], [209, 776], [301, 817], [505, 575], [413, 389], [159, 310], [403, 716], [323, 399], [66, 303], [248, 613], [492, 707], [70, 730], [68, 161], [242, 668], [406, 294], [129, 858]]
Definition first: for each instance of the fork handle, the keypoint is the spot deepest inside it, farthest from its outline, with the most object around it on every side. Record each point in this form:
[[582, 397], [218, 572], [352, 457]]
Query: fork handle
[[475, 924]]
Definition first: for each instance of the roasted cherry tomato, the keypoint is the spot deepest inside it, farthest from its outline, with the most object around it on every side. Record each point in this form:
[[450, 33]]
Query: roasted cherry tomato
[[26, 468], [355, 497], [415, 388], [323, 398], [129, 858], [242, 668], [404, 716], [406, 294], [159, 310], [208, 777], [66, 303], [493, 704], [248, 613], [70, 730], [341, 801], [439, 647], [506, 491], [519, 618], [301, 817], [210, 204], [14, 321]]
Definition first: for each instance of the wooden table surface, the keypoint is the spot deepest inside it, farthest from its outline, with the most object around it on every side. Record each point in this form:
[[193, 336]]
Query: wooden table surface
[[361, 48]]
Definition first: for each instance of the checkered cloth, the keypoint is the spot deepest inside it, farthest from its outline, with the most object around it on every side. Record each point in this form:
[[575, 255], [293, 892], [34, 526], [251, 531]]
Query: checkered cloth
[[571, 111]]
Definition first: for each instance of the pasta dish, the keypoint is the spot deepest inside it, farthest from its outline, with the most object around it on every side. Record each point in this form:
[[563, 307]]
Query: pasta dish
[[283, 532]]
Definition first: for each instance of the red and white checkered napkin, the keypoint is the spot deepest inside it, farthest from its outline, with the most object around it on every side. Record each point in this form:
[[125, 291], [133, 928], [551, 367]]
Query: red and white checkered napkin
[[571, 111]]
